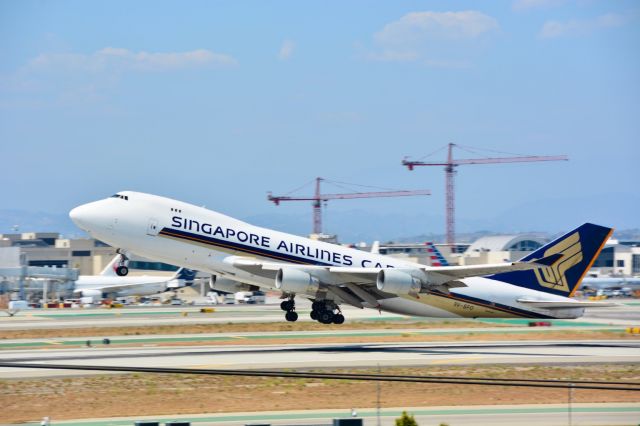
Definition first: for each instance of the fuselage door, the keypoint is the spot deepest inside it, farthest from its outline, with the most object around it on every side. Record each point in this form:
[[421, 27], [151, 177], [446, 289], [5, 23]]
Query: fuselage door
[[152, 227]]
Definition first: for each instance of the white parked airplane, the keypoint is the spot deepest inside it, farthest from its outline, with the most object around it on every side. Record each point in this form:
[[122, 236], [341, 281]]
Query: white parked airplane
[[109, 282], [538, 286]]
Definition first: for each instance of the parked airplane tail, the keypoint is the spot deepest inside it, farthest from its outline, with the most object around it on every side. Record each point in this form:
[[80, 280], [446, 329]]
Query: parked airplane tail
[[437, 259], [110, 269], [185, 274], [578, 249]]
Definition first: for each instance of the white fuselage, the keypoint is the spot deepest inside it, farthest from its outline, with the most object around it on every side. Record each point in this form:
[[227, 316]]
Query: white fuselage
[[124, 286], [197, 238]]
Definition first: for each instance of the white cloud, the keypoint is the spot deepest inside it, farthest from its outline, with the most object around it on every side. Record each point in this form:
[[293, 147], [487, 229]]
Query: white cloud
[[286, 50], [420, 34], [521, 5], [419, 26], [111, 57], [576, 27]]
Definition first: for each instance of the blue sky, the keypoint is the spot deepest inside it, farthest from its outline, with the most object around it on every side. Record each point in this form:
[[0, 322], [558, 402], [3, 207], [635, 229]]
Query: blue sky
[[217, 103]]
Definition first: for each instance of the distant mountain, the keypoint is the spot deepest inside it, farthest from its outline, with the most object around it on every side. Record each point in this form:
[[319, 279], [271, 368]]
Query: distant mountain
[[18, 221], [550, 216]]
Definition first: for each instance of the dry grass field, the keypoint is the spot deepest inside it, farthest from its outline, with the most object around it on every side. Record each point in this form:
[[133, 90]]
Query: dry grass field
[[157, 394]]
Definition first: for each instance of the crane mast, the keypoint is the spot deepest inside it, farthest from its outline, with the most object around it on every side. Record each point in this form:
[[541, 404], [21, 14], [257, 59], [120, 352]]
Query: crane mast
[[450, 166]]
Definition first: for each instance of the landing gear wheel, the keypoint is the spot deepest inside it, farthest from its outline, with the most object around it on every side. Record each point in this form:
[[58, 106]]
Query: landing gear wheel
[[291, 316], [286, 305], [122, 271], [314, 315], [317, 306], [338, 319], [325, 317]]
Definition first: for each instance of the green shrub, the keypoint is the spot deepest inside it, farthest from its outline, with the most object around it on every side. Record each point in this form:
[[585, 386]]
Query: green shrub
[[406, 420]]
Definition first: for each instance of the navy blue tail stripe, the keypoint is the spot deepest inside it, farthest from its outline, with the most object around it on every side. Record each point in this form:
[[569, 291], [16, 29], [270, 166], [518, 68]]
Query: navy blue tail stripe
[[240, 247]]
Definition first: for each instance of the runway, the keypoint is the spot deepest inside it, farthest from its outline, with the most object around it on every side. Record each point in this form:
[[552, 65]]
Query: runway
[[523, 415], [328, 356], [627, 314], [167, 315]]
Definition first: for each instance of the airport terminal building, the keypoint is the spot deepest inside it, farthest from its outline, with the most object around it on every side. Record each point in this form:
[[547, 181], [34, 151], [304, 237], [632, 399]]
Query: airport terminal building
[[90, 256]]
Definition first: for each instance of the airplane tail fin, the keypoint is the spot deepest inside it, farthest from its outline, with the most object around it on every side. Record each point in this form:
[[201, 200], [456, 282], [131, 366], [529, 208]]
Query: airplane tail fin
[[110, 269], [184, 274], [437, 259], [375, 247], [578, 250]]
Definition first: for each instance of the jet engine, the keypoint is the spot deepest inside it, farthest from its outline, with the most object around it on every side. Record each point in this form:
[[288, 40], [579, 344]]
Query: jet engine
[[294, 281], [397, 282], [229, 286]]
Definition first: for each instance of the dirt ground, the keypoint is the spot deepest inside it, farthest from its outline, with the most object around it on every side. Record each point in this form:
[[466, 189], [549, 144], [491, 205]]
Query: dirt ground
[[420, 338], [158, 394], [235, 328]]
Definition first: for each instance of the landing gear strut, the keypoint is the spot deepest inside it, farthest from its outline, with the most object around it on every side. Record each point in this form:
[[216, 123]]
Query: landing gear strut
[[121, 267], [289, 306], [326, 312]]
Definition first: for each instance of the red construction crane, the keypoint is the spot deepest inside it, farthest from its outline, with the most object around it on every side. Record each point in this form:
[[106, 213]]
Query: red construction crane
[[318, 198], [449, 167]]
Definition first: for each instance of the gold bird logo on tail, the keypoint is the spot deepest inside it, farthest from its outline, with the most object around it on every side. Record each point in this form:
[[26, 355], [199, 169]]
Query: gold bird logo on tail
[[554, 277]]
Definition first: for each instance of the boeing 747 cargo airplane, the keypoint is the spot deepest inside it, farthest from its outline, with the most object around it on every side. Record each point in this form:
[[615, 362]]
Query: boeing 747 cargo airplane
[[539, 285]]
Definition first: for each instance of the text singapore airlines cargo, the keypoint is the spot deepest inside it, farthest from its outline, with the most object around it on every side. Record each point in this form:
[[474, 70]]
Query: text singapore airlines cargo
[[240, 256]]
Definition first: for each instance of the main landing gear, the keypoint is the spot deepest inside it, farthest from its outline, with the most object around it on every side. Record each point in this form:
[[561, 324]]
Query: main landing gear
[[326, 312], [289, 306], [121, 267]]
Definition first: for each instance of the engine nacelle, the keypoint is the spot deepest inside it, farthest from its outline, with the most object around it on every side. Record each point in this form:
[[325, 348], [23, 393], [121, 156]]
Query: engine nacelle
[[228, 286], [95, 294], [397, 282], [295, 281]]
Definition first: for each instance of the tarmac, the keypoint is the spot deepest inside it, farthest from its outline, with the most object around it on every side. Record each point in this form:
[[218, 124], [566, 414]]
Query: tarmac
[[624, 315], [522, 415], [314, 356]]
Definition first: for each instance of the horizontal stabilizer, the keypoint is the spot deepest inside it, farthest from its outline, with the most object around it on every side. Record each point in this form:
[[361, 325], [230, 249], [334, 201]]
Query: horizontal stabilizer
[[549, 260], [565, 304]]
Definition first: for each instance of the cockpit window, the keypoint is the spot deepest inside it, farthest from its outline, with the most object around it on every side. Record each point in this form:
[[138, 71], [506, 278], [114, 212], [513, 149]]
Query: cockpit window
[[124, 197]]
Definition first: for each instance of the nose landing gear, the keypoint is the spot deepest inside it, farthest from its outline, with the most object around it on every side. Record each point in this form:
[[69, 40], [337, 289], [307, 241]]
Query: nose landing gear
[[121, 267], [289, 306]]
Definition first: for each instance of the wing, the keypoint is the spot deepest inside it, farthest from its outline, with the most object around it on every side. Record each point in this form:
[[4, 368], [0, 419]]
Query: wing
[[357, 286], [112, 288], [349, 274]]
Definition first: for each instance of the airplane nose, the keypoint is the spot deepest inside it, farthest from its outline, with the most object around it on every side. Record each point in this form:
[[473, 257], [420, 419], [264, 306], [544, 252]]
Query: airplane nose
[[76, 215], [82, 215]]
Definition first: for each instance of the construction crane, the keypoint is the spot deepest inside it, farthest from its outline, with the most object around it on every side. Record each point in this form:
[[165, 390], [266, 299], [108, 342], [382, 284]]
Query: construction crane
[[318, 198], [450, 170]]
